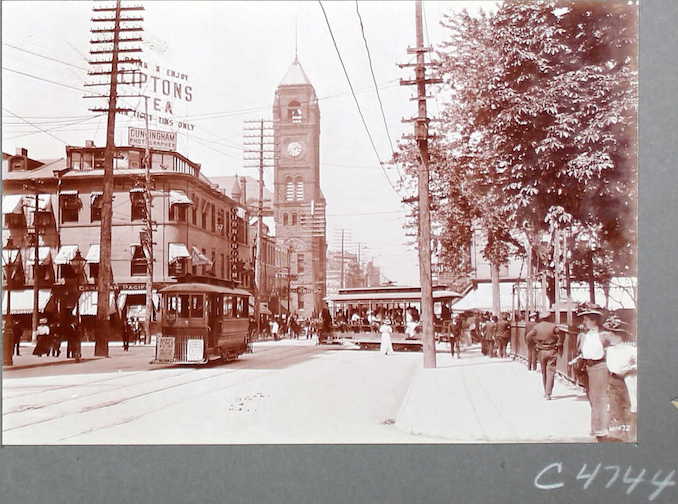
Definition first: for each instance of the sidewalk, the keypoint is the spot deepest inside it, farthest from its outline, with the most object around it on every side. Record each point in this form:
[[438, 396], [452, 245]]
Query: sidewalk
[[27, 360], [476, 399]]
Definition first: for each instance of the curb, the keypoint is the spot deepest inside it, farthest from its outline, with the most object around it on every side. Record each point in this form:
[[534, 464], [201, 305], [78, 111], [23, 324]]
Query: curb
[[46, 364], [406, 399]]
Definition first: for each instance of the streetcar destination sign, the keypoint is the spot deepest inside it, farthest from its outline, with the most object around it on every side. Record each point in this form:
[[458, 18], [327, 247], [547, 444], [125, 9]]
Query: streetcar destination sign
[[164, 140]]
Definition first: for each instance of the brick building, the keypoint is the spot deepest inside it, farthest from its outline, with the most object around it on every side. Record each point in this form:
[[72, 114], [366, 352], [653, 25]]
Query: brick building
[[196, 223]]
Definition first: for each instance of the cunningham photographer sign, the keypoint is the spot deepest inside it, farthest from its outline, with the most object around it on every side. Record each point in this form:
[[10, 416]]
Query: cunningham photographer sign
[[163, 140]]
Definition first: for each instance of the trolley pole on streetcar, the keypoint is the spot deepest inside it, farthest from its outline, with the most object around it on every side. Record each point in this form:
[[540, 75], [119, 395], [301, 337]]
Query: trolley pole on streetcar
[[422, 136]]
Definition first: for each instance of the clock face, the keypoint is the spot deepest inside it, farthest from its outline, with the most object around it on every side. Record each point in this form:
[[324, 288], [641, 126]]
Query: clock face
[[295, 149]]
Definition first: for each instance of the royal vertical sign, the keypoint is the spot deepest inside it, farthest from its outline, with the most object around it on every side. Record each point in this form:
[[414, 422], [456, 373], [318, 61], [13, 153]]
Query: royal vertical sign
[[162, 140]]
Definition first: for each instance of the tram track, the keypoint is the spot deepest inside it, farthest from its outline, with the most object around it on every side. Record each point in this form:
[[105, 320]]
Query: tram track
[[107, 404], [247, 380]]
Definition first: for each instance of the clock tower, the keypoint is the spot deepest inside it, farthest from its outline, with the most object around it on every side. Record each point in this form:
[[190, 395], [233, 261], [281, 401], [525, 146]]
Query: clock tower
[[299, 204]]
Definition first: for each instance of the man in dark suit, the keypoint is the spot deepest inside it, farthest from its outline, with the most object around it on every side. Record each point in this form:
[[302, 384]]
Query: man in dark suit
[[531, 351], [547, 339], [490, 334], [503, 335]]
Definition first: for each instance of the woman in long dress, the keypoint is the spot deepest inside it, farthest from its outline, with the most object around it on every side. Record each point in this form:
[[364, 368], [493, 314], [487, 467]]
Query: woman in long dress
[[592, 345], [386, 330]]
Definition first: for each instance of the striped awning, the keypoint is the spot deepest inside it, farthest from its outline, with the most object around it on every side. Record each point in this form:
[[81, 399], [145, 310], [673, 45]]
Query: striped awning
[[44, 256], [88, 303], [93, 254], [66, 253], [9, 256], [44, 203], [22, 300], [12, 204], [177, 251], [179, 198]]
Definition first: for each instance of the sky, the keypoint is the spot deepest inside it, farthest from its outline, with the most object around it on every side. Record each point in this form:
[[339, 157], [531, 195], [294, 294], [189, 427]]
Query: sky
[[235, 54]]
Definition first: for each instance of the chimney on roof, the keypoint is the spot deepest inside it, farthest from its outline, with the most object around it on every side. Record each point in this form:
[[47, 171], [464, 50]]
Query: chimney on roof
[[22, 151], [89, 143]]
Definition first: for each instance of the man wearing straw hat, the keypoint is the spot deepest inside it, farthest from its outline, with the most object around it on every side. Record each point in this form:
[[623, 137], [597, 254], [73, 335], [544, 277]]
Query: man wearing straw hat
[[592, 345], [547, 340]]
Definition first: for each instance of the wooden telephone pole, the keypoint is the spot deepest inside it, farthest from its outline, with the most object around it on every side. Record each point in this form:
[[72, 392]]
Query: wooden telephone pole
[[113, 44], [422, 136], [264, 155]]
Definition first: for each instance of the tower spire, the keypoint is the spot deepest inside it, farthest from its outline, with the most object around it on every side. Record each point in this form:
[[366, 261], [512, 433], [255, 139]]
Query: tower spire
[[296, 39]]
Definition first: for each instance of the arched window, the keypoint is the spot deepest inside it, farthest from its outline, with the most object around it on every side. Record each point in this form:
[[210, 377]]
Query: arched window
[[289, 189], [285, 220], [299, 189], [294, 219], [294, 113]]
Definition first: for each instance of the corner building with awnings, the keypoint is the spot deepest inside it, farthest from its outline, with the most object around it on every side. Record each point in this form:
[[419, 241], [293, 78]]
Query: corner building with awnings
[[200, 230]]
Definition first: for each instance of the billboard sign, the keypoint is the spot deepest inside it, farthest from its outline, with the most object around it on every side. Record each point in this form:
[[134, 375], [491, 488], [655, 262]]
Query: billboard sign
[[163, 140]]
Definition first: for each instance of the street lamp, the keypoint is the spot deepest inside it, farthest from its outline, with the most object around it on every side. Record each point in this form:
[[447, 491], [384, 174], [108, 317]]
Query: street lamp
[[78, 264]]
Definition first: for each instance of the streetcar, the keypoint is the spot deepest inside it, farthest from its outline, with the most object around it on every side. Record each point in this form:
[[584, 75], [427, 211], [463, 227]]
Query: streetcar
[[202, 322]]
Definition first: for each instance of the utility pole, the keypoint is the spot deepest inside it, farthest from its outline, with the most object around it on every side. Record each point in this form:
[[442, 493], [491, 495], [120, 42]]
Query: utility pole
[[342, 259], [113, 46], [36, 269], [264, 155], [422, 136], [148, 220]]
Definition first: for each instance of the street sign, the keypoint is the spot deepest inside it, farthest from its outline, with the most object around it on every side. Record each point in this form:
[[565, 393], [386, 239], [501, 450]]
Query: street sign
[[165, 349], [195, 350]]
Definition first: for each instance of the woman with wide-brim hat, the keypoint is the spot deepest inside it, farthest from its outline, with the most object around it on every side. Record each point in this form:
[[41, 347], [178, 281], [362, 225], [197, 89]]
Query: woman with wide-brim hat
[[622, 360], [592, 344], [386, 346]]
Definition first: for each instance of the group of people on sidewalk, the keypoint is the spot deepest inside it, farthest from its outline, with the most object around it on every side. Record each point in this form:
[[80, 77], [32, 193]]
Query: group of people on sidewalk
[[50, 336], [605, 354]]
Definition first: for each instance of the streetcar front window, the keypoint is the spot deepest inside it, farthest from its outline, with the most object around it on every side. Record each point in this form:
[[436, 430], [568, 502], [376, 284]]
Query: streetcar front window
[[228, 306], [197, 306], [183, 306]]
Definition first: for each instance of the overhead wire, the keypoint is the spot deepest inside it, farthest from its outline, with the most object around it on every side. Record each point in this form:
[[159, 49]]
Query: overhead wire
[[44, 56], [62, 127], [355, 98], [36, 126], [43, 79], [374, 79]]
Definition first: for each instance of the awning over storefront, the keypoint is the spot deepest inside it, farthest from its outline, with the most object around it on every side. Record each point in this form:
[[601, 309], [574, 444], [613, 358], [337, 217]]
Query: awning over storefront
[[68, 192], [88, 303], [22, 301], [122, 297], [66, 253], [198, 258], [481, 298], [179, 198], [622, 294], [9, 256], [44, 203], [177, 251], [44, 256], [93, 254], [12, 204]]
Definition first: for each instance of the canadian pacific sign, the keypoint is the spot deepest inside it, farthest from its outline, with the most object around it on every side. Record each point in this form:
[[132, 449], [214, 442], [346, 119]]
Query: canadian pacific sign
[[163, 140]]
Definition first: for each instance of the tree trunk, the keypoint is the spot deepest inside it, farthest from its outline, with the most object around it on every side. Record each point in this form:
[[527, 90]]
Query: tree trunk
[[496, 300], [592, 279]]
